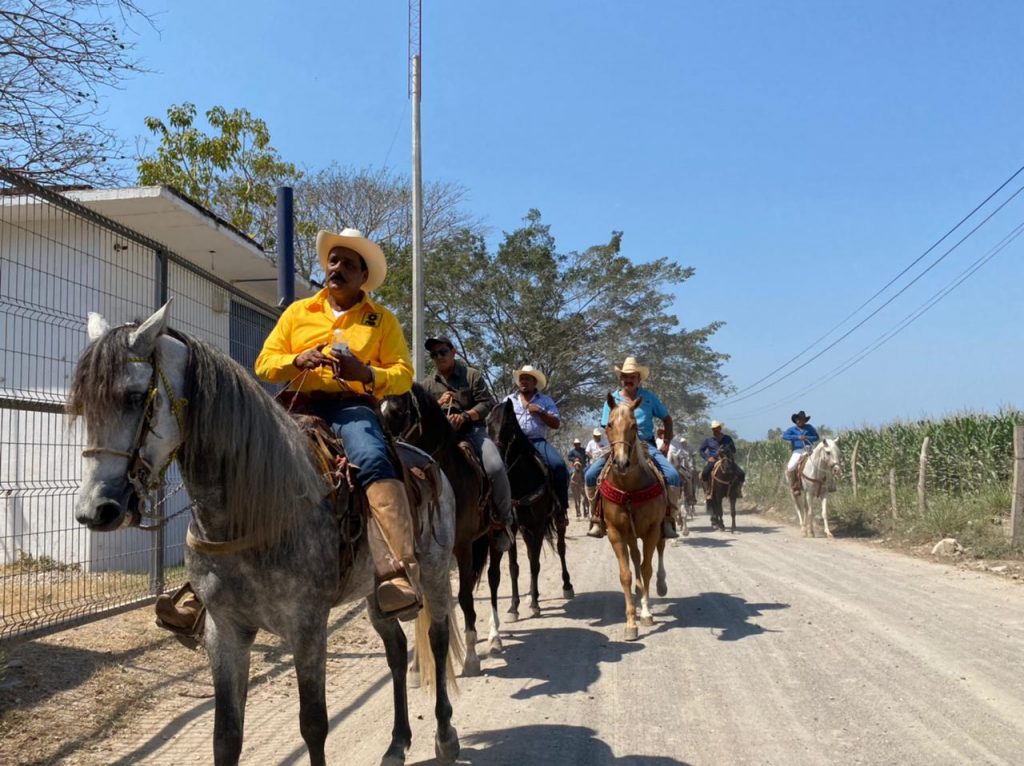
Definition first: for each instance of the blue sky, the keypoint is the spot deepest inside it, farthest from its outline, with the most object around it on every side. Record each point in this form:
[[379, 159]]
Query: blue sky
[[797, 154]]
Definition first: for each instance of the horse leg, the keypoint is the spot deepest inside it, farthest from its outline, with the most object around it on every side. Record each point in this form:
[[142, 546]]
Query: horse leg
[[622, 553], [662, 579], [808, 510], [446, 739], [310, 654], [533, 544], [732, 510], [824, 516], [567, 589], [646, 569], [228, 648], [396, 651], [513, 573], [494, 580], [464, 556]]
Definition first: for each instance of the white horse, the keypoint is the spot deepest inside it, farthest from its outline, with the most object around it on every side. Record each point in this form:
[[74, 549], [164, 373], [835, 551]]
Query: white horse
[[818, 474]]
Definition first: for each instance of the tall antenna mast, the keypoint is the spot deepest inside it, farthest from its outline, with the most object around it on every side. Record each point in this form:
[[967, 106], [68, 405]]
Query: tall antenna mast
[[415, 74]]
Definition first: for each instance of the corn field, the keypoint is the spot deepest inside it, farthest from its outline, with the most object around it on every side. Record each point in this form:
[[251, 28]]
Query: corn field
[[968, 478]]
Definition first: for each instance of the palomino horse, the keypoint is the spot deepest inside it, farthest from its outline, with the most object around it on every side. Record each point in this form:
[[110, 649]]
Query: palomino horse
[[535, 506], [577, 490], [634, 502], [724, 484], [264, 545], [818, 472], [418, 419]]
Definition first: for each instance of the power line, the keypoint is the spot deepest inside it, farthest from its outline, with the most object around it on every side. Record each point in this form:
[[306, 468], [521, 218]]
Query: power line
[[888, 284], [896, 295], [900, 326]]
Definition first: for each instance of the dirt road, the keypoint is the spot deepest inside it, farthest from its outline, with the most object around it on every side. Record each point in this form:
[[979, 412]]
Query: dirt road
[[768, 649]]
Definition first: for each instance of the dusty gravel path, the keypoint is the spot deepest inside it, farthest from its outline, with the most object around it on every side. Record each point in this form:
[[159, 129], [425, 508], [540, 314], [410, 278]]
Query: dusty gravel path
[[769, 649]]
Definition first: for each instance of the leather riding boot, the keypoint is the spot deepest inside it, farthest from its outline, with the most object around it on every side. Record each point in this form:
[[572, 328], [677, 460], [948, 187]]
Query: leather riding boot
[[668, 525], [597, 528], [794, 482], [183, 614], [392, 545]]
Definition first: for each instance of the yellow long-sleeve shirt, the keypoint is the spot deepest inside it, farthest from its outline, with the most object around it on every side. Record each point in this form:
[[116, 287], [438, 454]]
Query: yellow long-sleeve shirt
[[373, 335]]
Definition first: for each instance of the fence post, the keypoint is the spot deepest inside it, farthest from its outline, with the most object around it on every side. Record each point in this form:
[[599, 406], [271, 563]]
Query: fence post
[[922, 478], [892, 493], [853, 467], [156, 561], [1017, 510]]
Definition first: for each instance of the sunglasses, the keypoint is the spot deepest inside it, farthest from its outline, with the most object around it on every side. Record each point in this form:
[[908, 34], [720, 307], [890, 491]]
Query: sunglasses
[[440, 353]]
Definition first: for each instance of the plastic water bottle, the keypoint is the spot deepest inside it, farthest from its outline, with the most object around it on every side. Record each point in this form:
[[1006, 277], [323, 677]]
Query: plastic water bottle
[[339, 347]]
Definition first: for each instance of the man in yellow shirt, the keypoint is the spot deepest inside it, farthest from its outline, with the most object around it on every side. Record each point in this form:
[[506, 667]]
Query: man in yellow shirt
[[335, 348]]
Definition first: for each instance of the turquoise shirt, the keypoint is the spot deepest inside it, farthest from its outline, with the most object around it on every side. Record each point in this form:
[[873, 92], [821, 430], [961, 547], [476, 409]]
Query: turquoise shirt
[[649, 409]]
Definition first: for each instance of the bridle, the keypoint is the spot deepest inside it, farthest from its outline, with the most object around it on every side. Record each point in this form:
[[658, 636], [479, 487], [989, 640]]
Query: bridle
[[140, 474]]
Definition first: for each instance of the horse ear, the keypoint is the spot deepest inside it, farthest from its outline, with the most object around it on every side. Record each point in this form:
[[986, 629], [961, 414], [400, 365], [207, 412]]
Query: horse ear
[[611, 402], [96, 327], [143, 339]]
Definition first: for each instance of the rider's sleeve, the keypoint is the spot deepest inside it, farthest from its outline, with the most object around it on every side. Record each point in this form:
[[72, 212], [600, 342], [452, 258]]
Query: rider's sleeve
[[812, 434], [483, 398], [275, 362], [658, 409], [392, 369]]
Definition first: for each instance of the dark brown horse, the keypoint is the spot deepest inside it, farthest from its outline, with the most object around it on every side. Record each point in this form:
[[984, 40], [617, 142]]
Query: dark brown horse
[[725, 483], [418, 419], [536, 510]]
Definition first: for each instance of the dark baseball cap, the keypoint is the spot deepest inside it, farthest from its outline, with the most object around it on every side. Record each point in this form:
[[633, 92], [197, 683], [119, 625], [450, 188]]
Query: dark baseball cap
[[431, 342]]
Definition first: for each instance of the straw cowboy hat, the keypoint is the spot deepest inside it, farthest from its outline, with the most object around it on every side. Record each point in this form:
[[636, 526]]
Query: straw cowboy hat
[[353, 239], [598, 433], [716, 424], [533, 372], [630, 366], [576, 441], [801, 414]]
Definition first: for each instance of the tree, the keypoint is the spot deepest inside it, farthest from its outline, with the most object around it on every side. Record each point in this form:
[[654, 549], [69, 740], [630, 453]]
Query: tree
[[378, 203], [574, 316], [233, 172], [55, 57]]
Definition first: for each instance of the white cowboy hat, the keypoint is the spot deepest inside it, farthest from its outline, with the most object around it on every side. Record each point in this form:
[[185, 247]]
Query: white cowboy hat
[[630, 366], [576, 441], [716, 424], [353, 239], [533, 372], [598, 433]]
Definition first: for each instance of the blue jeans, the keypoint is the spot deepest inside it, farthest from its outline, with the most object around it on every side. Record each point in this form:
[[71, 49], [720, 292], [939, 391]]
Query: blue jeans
[[360, 432], [667, 469], [559, 471]]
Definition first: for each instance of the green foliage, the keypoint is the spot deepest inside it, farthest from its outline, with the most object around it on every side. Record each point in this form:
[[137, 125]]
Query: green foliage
[[232, 171], [573, 315], [26, 562]]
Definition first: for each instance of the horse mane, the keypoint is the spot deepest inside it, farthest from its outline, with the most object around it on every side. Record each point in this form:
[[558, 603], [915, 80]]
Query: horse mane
[[237, 441], [237, 436], [433, 417]]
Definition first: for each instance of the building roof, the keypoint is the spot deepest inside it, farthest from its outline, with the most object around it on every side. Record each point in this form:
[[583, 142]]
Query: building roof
[[193, 233]]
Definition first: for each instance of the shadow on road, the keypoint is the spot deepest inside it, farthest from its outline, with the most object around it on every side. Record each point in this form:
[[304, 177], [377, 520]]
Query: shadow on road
[[541, 655], [543, 744], [722, 612]]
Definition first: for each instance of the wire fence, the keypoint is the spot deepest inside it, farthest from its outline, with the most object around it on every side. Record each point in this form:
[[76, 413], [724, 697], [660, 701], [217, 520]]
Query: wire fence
[[58, 261]]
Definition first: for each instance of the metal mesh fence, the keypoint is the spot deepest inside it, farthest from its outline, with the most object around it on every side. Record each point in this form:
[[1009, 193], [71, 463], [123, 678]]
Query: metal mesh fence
[[58, 261]]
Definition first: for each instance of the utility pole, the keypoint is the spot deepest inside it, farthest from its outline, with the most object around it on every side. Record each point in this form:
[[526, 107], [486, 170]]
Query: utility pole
[[415, 75]]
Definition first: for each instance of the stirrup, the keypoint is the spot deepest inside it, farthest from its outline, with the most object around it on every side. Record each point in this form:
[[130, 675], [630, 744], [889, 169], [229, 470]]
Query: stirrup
[[390, 589]]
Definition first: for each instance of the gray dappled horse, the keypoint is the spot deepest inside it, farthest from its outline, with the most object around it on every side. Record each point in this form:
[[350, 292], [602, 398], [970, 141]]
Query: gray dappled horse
[[264, 545]]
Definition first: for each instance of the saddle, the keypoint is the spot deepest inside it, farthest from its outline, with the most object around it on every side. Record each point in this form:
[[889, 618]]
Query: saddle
[[607, 490], [475, 461]]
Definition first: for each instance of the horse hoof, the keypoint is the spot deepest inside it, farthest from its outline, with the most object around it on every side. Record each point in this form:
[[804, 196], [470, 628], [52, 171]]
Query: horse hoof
[[647, 621], [471, 667], [535, 611], [413, 679], [686, 531], [496, 647], [392, 758], [631, 633], [447, 750], [662, 587], [568, 593]]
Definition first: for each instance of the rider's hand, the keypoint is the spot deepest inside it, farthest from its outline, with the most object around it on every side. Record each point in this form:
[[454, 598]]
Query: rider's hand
[[663, 449], [712, 459], [350, 368], [456, 419], [534, 409], [311, 358], [804, 438], [446, 398]]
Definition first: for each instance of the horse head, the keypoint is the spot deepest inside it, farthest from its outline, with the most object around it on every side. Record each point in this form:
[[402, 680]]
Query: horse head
[[622, 432], [128, 388], [830, 456], [502, 426], [398, 412]]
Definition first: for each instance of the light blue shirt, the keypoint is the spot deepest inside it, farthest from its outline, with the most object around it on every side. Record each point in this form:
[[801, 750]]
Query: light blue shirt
[[649, 409], [531, 424]]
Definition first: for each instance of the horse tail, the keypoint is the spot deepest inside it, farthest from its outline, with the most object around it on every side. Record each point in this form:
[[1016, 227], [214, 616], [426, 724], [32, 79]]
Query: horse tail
[[480, 551], [425, 651]]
